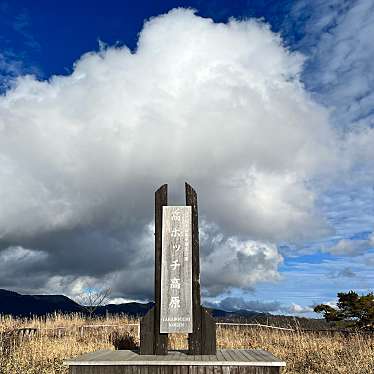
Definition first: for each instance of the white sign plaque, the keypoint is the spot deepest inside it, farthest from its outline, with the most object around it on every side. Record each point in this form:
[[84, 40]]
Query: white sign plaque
[[176, 270]]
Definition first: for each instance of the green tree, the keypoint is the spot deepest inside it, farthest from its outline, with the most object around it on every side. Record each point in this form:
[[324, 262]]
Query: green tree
[[352, 310]]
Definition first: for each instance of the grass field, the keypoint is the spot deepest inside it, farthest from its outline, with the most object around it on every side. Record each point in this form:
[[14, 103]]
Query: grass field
[[58, 337]]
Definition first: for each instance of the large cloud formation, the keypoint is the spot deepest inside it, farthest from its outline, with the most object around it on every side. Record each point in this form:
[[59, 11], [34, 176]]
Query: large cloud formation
[[336, 36], [218, 105]]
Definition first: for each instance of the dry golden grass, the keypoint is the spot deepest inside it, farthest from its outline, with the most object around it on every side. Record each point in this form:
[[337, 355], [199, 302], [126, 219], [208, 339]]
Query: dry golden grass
[[44, 352]]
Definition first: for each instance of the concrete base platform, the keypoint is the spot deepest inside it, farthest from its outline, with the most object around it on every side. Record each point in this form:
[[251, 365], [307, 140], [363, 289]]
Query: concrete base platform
[[226, 361]]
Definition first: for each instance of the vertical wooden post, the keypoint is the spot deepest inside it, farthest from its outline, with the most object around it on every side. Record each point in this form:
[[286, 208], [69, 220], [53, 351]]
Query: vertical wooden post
[[161, 340], [208, 333], [202, 341], [147, 334], [152, 342], [194, 339]]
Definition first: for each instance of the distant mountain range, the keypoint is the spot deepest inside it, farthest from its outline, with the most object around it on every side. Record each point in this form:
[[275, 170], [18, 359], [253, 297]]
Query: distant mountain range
[[25, 305], [16, 304]]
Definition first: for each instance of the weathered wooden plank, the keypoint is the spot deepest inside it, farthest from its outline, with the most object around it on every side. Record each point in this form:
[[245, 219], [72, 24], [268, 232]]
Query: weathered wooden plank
[[222, 358], [253, 355], [176, 355], [123, 355], [147, 333], [150, 324], [176, 369], [248, 354], [232, 355], [225, 354], [205, 358], [91, 355], [217, 369], [193, 369], [176, 270], [152, 370], [270, 356], [209, 369], [194, 339], [208, 333], [244, 370], [239, 356], [165, 369], [266, 356], [234, 370], [189, 358], [201, 369], [257, 355], [185, 369], [161, 340]]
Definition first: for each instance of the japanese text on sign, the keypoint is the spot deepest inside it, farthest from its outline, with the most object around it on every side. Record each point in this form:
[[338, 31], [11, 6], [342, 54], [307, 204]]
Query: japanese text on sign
[[176, 270]]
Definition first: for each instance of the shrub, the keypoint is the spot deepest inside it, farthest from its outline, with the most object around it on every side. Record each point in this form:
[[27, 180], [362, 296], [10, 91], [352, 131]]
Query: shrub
[[122, 340]]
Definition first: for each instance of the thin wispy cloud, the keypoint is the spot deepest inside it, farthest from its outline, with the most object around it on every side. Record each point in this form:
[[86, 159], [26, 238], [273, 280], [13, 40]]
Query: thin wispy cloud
[[15, 57]]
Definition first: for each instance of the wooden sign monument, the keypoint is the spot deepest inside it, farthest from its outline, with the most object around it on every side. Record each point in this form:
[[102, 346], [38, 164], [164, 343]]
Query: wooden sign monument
[[177, 309], [177, 281]]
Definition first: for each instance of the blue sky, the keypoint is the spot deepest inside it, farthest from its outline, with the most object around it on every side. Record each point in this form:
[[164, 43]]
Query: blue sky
[[278, 97]]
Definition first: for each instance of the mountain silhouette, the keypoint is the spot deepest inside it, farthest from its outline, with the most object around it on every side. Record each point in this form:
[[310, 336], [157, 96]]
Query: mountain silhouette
[[15, 304], [26, 305]]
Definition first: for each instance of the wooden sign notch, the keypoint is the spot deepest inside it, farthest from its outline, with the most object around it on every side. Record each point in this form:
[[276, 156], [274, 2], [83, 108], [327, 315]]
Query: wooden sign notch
[[202, 340]]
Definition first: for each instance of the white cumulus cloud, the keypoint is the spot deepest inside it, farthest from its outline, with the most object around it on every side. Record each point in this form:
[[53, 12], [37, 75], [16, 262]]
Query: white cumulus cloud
[[218, 105]]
